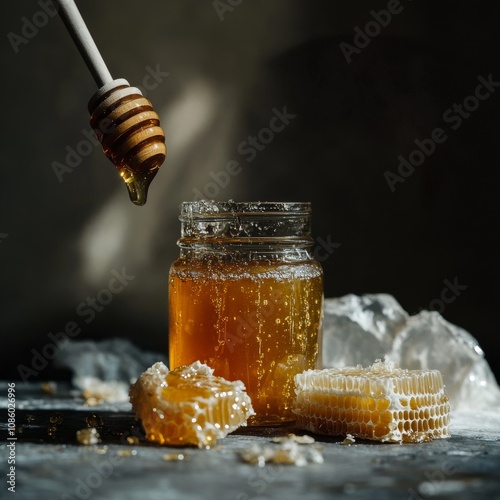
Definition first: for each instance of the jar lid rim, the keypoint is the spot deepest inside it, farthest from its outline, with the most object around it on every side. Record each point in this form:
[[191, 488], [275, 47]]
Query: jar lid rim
[[215, 208]]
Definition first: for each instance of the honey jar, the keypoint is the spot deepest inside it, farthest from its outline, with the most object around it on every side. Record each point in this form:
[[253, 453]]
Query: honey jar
[[246, 298]]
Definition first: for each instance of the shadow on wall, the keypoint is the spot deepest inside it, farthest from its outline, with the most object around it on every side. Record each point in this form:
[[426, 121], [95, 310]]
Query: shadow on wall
[[270, 88], [395, 151]]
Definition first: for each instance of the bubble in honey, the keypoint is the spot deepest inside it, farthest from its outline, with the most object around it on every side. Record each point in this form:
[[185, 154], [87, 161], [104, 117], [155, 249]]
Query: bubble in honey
[[137, 184]]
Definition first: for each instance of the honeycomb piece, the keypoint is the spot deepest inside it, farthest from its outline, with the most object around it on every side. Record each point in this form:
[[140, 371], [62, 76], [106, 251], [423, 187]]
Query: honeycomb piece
[[188, 405], [382, 402]]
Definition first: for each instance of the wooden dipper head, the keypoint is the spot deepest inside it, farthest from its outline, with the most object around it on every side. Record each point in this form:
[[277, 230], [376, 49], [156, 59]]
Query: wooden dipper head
[[130, 133]]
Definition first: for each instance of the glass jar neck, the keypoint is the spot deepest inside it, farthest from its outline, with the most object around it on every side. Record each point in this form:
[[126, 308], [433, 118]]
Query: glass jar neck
[[234, 250], [250, 230]]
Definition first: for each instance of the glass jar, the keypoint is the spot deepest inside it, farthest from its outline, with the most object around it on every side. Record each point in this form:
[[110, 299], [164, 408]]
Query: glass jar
[[246, 298]]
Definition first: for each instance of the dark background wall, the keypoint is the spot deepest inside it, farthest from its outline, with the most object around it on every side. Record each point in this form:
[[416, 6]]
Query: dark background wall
[[63, 237]]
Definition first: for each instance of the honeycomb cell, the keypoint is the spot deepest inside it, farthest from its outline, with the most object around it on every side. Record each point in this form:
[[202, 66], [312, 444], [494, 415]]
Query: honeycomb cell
[[189, 405], [381, 402]]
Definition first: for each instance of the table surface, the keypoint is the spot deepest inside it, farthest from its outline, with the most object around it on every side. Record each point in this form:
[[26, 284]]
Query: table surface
[[50, 464]]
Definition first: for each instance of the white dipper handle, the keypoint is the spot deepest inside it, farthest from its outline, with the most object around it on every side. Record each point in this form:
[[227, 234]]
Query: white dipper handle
[[73, 20]]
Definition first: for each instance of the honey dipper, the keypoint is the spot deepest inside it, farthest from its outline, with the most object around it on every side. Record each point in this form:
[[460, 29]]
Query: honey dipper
[[121, 117]]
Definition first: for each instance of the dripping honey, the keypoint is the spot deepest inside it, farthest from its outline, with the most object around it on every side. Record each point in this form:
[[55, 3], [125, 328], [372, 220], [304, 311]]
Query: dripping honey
[[137, 184], [250, 315], [130, 133]]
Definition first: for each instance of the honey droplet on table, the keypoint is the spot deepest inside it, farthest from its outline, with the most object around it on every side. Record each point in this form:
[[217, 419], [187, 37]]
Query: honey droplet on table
[[94, 420], [137, 184]]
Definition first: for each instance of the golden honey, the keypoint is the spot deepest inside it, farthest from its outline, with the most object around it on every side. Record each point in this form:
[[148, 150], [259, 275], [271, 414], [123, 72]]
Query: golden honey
[[247, 304]]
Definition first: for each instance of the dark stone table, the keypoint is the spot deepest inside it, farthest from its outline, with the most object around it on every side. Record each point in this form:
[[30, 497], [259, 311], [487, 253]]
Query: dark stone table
[[50, 464]]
